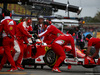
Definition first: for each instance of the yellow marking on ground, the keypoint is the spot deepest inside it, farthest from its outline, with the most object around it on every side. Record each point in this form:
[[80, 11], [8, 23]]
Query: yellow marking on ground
[[31, 74], [13, 73]]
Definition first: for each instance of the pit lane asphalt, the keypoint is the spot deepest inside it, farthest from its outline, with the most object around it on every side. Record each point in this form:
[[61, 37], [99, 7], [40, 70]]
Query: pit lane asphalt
[[76, 70]]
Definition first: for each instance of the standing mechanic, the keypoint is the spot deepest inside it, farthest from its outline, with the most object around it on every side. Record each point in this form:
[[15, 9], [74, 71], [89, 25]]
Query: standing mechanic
[[29, 28], [7, 28], [50, 34], [93, 42], [21, 35], [57, 46]]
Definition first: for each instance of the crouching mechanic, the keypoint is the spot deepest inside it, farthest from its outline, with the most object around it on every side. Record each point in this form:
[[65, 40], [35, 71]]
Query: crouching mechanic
[[57, 46], [7, 28], [93, 42]]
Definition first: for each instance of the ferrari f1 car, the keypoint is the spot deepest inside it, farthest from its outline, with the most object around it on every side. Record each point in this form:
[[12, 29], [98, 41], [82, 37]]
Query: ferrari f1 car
[[39, 53], [44, 55]]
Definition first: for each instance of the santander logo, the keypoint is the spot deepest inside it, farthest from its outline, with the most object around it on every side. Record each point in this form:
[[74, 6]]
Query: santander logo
[[38, 59]]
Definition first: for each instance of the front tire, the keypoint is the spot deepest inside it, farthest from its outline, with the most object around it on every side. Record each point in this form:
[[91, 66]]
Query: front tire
[[50, 58]]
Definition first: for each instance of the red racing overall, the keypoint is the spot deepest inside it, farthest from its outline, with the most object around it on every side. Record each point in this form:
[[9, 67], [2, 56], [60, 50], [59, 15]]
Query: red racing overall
[[27, 49], [22, 34], [29, 28], [57, 46], [94, 42], [8, 27], [50, 34]]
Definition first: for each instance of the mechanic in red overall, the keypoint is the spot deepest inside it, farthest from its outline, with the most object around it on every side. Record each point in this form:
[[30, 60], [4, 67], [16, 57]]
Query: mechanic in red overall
[[57, 47], [7, 28], [21, 34], [29, 28], [50, 34], [93, 42], [27, 49]]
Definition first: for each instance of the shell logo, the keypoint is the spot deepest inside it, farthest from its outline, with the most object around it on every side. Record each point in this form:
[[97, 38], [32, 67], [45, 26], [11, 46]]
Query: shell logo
[[8, 21], [11, 28]]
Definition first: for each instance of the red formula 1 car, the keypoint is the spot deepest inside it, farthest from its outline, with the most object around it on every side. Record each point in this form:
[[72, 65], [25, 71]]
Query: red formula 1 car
[[39, 53], [45, 55]]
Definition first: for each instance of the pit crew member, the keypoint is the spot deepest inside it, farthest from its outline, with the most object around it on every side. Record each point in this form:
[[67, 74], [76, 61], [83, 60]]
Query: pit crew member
[[7, 28], [57, 47], [21, 35], [50, 34], [92, 42]]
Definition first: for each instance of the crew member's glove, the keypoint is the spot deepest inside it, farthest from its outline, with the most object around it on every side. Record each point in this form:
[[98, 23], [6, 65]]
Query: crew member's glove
[[32, 37], [9, 36], [75, 59], [28, 44]]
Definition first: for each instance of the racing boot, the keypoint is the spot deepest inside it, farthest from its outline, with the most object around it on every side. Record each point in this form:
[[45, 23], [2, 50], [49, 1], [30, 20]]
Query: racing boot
[[56, 70], [20, 68], [12, 69], [69, 67]]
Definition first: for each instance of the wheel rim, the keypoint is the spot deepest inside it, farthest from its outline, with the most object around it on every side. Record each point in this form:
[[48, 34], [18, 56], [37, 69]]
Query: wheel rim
[[51, 57]]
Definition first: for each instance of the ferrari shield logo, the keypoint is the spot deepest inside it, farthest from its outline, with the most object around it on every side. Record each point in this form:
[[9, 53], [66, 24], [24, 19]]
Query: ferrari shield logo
[[59, 34]]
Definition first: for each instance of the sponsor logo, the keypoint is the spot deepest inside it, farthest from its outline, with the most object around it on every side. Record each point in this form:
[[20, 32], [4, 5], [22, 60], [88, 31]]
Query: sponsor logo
[[47, 48], [11, 28], [60, 42]]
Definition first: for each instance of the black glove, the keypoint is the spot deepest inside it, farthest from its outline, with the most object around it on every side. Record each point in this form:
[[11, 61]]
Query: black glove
[[9, 36], [35, 36]]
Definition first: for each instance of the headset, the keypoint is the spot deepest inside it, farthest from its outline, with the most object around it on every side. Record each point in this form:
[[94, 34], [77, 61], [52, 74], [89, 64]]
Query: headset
[[73, 34], [45, 26], [69, 33], [29, 21], [88, 37], [50, 22], [4, 14]]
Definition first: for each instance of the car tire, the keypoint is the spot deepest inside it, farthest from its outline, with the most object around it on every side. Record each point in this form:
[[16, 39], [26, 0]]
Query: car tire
[[50, 58]]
